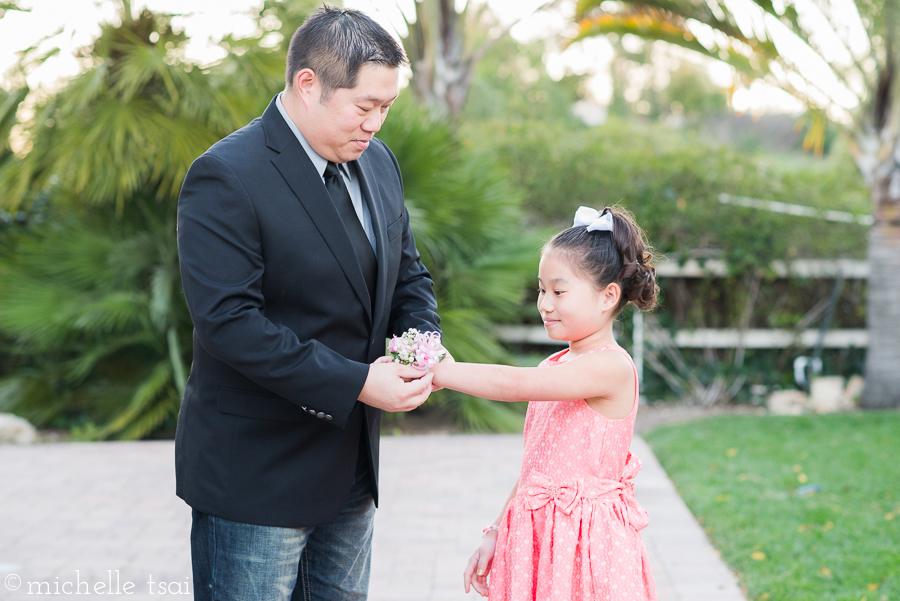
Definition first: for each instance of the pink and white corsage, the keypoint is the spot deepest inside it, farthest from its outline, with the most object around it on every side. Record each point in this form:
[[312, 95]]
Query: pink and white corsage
[[422, 350]]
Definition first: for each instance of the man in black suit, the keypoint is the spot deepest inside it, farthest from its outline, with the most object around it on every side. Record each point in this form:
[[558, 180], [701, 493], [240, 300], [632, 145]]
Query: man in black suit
[[298, 261]]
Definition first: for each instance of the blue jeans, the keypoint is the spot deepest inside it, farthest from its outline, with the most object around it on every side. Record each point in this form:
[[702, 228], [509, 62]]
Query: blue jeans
[[233, 561]]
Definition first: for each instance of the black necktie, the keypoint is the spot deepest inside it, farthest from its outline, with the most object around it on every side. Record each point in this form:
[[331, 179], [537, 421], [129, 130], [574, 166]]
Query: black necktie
[[334, 183]]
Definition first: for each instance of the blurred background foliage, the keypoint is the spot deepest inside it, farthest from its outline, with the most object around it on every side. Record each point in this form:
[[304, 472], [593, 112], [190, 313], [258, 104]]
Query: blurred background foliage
[[671, 180], [96, 336], [94, 333], [466, 217], [91, 309]]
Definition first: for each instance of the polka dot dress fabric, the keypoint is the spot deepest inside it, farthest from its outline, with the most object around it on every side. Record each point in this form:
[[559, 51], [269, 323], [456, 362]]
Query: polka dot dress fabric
[[571, 533]]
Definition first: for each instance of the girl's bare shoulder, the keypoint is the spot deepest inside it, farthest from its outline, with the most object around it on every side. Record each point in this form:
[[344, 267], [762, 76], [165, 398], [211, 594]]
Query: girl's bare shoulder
[[612, 362]]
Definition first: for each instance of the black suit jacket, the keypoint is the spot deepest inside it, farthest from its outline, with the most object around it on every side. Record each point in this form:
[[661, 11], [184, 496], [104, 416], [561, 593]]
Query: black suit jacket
[[270, 428]]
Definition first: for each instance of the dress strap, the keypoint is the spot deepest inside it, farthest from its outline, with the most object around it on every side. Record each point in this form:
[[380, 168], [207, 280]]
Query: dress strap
[[555, 356]]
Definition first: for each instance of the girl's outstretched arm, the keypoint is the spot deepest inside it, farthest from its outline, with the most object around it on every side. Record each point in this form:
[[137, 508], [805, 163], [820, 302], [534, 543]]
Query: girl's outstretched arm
[[605, 375]]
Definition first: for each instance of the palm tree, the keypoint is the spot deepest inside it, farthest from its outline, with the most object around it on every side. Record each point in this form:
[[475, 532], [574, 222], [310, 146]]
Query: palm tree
[[94, 311], [445, 44], [90, 297], [443, 54], [841, 59]]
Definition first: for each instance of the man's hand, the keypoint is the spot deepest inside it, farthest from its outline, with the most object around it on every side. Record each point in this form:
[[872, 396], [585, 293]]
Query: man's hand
[[394, 387]]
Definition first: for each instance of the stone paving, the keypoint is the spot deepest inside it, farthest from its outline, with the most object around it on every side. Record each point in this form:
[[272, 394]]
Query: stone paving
[[93, 517]]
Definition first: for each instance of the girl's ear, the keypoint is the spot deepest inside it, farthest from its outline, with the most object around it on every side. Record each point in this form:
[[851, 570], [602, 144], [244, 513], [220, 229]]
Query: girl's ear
[[609, 296]]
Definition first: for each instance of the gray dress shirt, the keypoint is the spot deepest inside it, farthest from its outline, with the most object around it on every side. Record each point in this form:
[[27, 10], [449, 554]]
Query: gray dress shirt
[[350, 175]]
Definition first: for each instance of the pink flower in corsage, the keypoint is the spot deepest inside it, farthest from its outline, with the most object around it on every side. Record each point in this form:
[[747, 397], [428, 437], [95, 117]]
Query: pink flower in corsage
[[422, 350]]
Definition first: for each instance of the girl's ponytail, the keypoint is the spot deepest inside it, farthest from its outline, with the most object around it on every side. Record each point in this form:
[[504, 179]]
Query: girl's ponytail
[[637, 276], [607, 254]]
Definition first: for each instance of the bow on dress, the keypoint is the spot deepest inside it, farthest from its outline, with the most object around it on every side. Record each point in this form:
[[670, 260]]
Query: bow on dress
[[540, 489], [635, 514]]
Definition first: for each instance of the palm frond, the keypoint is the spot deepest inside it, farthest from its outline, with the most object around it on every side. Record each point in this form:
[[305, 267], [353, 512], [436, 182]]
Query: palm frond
[[480, 415], [81, 366], [9, 104], [31, 395], [115, 312], [468, 336], [150, 420], [10, 5], [155, 385], [655, 25], [89, 301], [772, 41]]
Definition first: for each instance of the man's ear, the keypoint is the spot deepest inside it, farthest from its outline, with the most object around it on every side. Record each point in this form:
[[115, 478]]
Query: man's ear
[[306, 84]]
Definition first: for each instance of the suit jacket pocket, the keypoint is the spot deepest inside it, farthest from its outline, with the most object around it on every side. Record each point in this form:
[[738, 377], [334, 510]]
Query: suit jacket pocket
[[248, 404], [395, 229]]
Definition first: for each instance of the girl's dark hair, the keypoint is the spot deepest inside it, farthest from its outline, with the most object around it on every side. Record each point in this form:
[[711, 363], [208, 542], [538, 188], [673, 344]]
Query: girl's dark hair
[[622, 256]]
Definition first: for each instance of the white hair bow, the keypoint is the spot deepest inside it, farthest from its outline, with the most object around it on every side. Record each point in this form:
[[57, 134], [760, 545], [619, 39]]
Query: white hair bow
[[595, 222]]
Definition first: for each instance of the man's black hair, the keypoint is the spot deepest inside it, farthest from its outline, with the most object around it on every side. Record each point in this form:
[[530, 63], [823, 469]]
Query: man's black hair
[[335, 42]]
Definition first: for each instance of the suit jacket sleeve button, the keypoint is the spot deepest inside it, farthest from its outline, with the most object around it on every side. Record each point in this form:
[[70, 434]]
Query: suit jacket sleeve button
[[312, 411], [320, 415], [328, 417]]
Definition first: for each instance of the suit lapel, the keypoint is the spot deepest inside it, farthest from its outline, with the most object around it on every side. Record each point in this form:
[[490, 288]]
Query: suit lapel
[[300, 174], [376, 209]]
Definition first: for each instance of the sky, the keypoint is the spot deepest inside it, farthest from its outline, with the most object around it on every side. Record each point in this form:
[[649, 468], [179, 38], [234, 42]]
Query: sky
[[74, 23]]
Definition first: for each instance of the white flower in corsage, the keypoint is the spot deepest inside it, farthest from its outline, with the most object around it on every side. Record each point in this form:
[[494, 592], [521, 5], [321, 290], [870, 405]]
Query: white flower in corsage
[[422, 350]]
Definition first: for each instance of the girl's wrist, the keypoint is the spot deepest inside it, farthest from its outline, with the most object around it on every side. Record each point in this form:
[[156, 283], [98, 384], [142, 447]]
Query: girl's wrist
[[492, 529], [437, 370]]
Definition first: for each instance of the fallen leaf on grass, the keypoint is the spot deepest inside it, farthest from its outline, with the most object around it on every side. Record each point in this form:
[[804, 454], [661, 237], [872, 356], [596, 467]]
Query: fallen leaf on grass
[[805, 527], [732, 452], [758, 556], [828, 526], [763, 597], [802, 479], [872, 587], [825, 572], [807, 489], [723, 498], [890, 516], [797, 467]]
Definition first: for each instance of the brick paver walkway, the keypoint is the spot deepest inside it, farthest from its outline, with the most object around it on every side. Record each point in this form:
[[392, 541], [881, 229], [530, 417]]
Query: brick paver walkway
[[96, 516]]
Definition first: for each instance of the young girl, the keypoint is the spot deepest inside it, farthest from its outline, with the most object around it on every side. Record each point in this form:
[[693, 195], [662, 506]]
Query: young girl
[[569, 530]]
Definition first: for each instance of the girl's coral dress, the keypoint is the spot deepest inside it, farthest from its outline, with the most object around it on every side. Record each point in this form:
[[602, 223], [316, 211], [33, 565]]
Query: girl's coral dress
[[571, 531]]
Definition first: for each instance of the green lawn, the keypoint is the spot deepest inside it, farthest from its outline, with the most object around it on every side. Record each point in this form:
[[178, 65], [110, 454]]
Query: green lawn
[[740, 475]]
